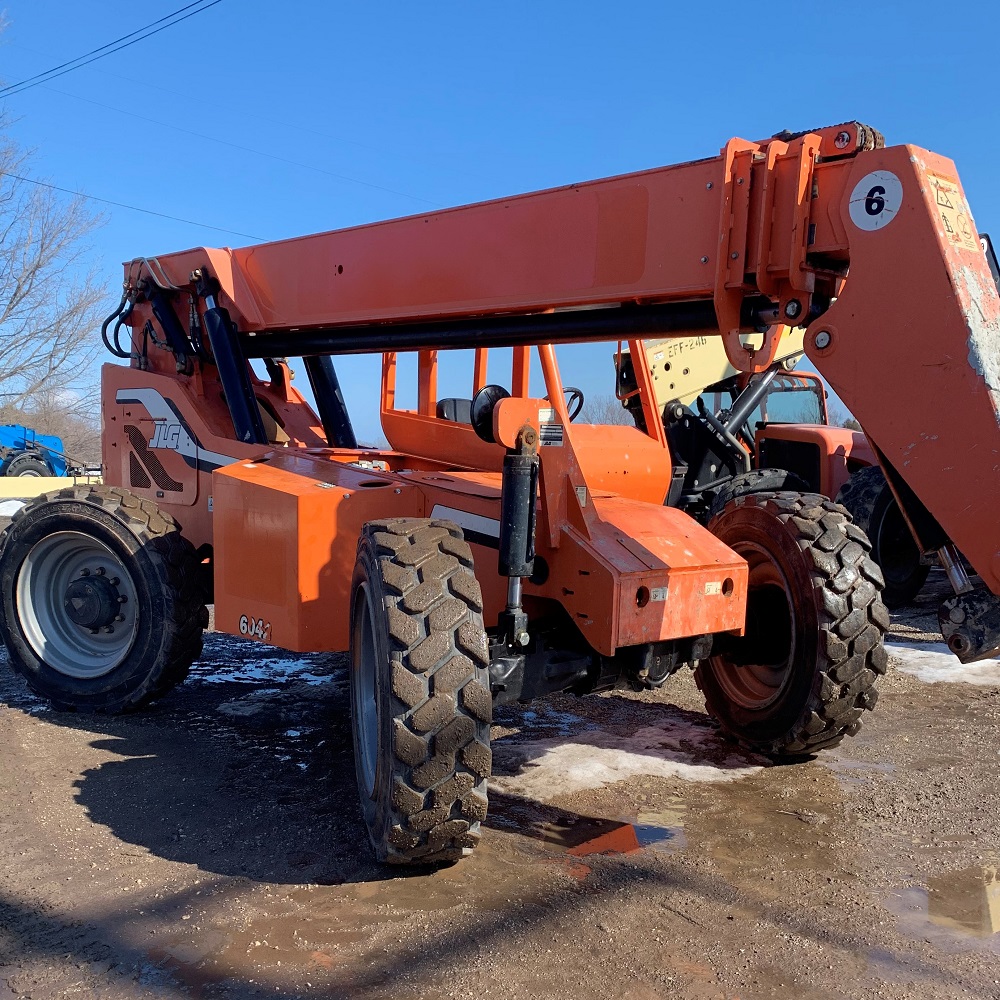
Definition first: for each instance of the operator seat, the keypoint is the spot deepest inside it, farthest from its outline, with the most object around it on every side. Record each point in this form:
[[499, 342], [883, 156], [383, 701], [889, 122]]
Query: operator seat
[[457, 410]]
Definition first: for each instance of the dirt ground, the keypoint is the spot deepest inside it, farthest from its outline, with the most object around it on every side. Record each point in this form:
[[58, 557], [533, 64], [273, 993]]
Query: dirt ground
[[211, 847]]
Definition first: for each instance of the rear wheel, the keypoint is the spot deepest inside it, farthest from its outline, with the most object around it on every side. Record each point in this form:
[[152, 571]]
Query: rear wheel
[[26, 465], [420, 696], [101, 604], [872, 506], [805, 671]]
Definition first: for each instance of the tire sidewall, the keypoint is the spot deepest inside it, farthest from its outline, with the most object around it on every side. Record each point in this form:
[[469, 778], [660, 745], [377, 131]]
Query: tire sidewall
[[39, 468], [103, 525], [376, 807], [750, 523]]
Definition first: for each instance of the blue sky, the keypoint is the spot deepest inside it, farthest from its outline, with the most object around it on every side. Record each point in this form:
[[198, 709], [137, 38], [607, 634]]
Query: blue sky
[[332, 114]]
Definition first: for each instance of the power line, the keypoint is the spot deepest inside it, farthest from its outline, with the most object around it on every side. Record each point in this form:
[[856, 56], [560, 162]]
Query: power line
[[148, 85], [131, 208], [100, 49], [108, 49], [245, 149]]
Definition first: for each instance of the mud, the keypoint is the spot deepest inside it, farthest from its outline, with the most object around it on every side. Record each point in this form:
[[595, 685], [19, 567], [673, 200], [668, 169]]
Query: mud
[[211, 848]]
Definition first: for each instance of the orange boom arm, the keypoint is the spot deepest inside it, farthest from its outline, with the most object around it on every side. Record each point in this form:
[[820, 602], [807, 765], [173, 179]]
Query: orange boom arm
[[873, 248]]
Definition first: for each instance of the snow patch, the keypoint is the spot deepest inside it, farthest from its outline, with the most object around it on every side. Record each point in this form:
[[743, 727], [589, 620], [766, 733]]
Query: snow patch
[[257, 671], [553, 767], [8, 508], [934, 663]]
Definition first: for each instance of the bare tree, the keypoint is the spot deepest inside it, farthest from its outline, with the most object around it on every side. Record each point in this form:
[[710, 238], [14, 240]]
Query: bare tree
[[840, 416], [49, 302], [604, 410]]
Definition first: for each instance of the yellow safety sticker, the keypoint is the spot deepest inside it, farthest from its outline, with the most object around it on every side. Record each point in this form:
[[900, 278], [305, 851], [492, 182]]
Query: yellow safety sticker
[[956, 221]]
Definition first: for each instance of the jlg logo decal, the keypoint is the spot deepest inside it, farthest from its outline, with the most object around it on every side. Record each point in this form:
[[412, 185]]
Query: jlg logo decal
[[170, 432], [256, 627], [166, 436]]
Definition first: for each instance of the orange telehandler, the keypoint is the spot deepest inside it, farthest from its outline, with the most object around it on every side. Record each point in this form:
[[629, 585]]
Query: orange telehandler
[[497, 551]]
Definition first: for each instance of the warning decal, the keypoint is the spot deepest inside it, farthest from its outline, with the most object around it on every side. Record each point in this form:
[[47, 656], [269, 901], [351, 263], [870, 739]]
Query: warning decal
[[550, 434], [956, 222]]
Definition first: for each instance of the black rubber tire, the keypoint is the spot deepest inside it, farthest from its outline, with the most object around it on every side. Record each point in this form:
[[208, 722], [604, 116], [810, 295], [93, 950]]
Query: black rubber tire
[[873, 508], [28, 465], [756, 481], [166, 573], [823, 646], [430, 687]]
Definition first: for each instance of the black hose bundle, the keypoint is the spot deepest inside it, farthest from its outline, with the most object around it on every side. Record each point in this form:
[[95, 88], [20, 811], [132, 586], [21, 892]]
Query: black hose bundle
[[113, 343]]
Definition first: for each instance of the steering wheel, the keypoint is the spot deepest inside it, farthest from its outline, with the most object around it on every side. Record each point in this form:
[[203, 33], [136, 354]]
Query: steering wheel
[[574, 402]]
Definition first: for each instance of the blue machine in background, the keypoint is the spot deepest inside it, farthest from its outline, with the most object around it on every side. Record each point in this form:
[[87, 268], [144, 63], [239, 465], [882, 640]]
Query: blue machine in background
[[25, 453]]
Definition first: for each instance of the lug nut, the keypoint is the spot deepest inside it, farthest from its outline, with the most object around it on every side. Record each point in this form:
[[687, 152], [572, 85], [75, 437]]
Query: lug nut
[[119, 618], [84, 572], [99, 571], [122, 598], [109, 629], [115, 581], [94, 631]]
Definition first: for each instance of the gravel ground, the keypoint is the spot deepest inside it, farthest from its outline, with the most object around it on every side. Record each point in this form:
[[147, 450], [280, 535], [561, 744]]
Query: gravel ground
[[211, 847]]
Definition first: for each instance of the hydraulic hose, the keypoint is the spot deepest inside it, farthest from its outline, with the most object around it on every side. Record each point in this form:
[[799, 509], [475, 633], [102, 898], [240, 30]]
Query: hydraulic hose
[[113, 344]]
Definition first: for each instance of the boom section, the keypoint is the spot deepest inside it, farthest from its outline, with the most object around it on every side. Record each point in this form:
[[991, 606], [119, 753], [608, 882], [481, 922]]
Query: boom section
[[719, 244]]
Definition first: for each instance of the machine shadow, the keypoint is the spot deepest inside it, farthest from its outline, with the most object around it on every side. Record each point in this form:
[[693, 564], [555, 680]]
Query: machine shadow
[[254, 778], [242, 771]]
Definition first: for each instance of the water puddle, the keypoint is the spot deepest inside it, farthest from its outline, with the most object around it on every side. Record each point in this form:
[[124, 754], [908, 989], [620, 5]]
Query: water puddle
[[577, 836], [960, 909], [662, 829]]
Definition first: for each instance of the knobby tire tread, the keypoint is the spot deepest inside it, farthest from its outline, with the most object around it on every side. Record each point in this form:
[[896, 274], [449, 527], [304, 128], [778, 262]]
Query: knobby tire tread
[[852, 621], [442, 705]]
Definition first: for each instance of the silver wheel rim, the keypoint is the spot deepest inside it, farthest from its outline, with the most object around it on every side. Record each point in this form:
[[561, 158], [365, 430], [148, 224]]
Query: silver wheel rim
[[30, 472], [43, 606], [365, 704]]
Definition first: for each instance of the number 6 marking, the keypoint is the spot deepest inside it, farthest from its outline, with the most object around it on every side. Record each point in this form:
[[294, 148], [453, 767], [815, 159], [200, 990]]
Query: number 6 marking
[[875, 200]]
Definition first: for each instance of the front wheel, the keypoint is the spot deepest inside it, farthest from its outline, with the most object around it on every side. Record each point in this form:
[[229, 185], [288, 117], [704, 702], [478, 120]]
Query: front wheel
[[102, 607], [805, 671], [756, 481], [420, 695]]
